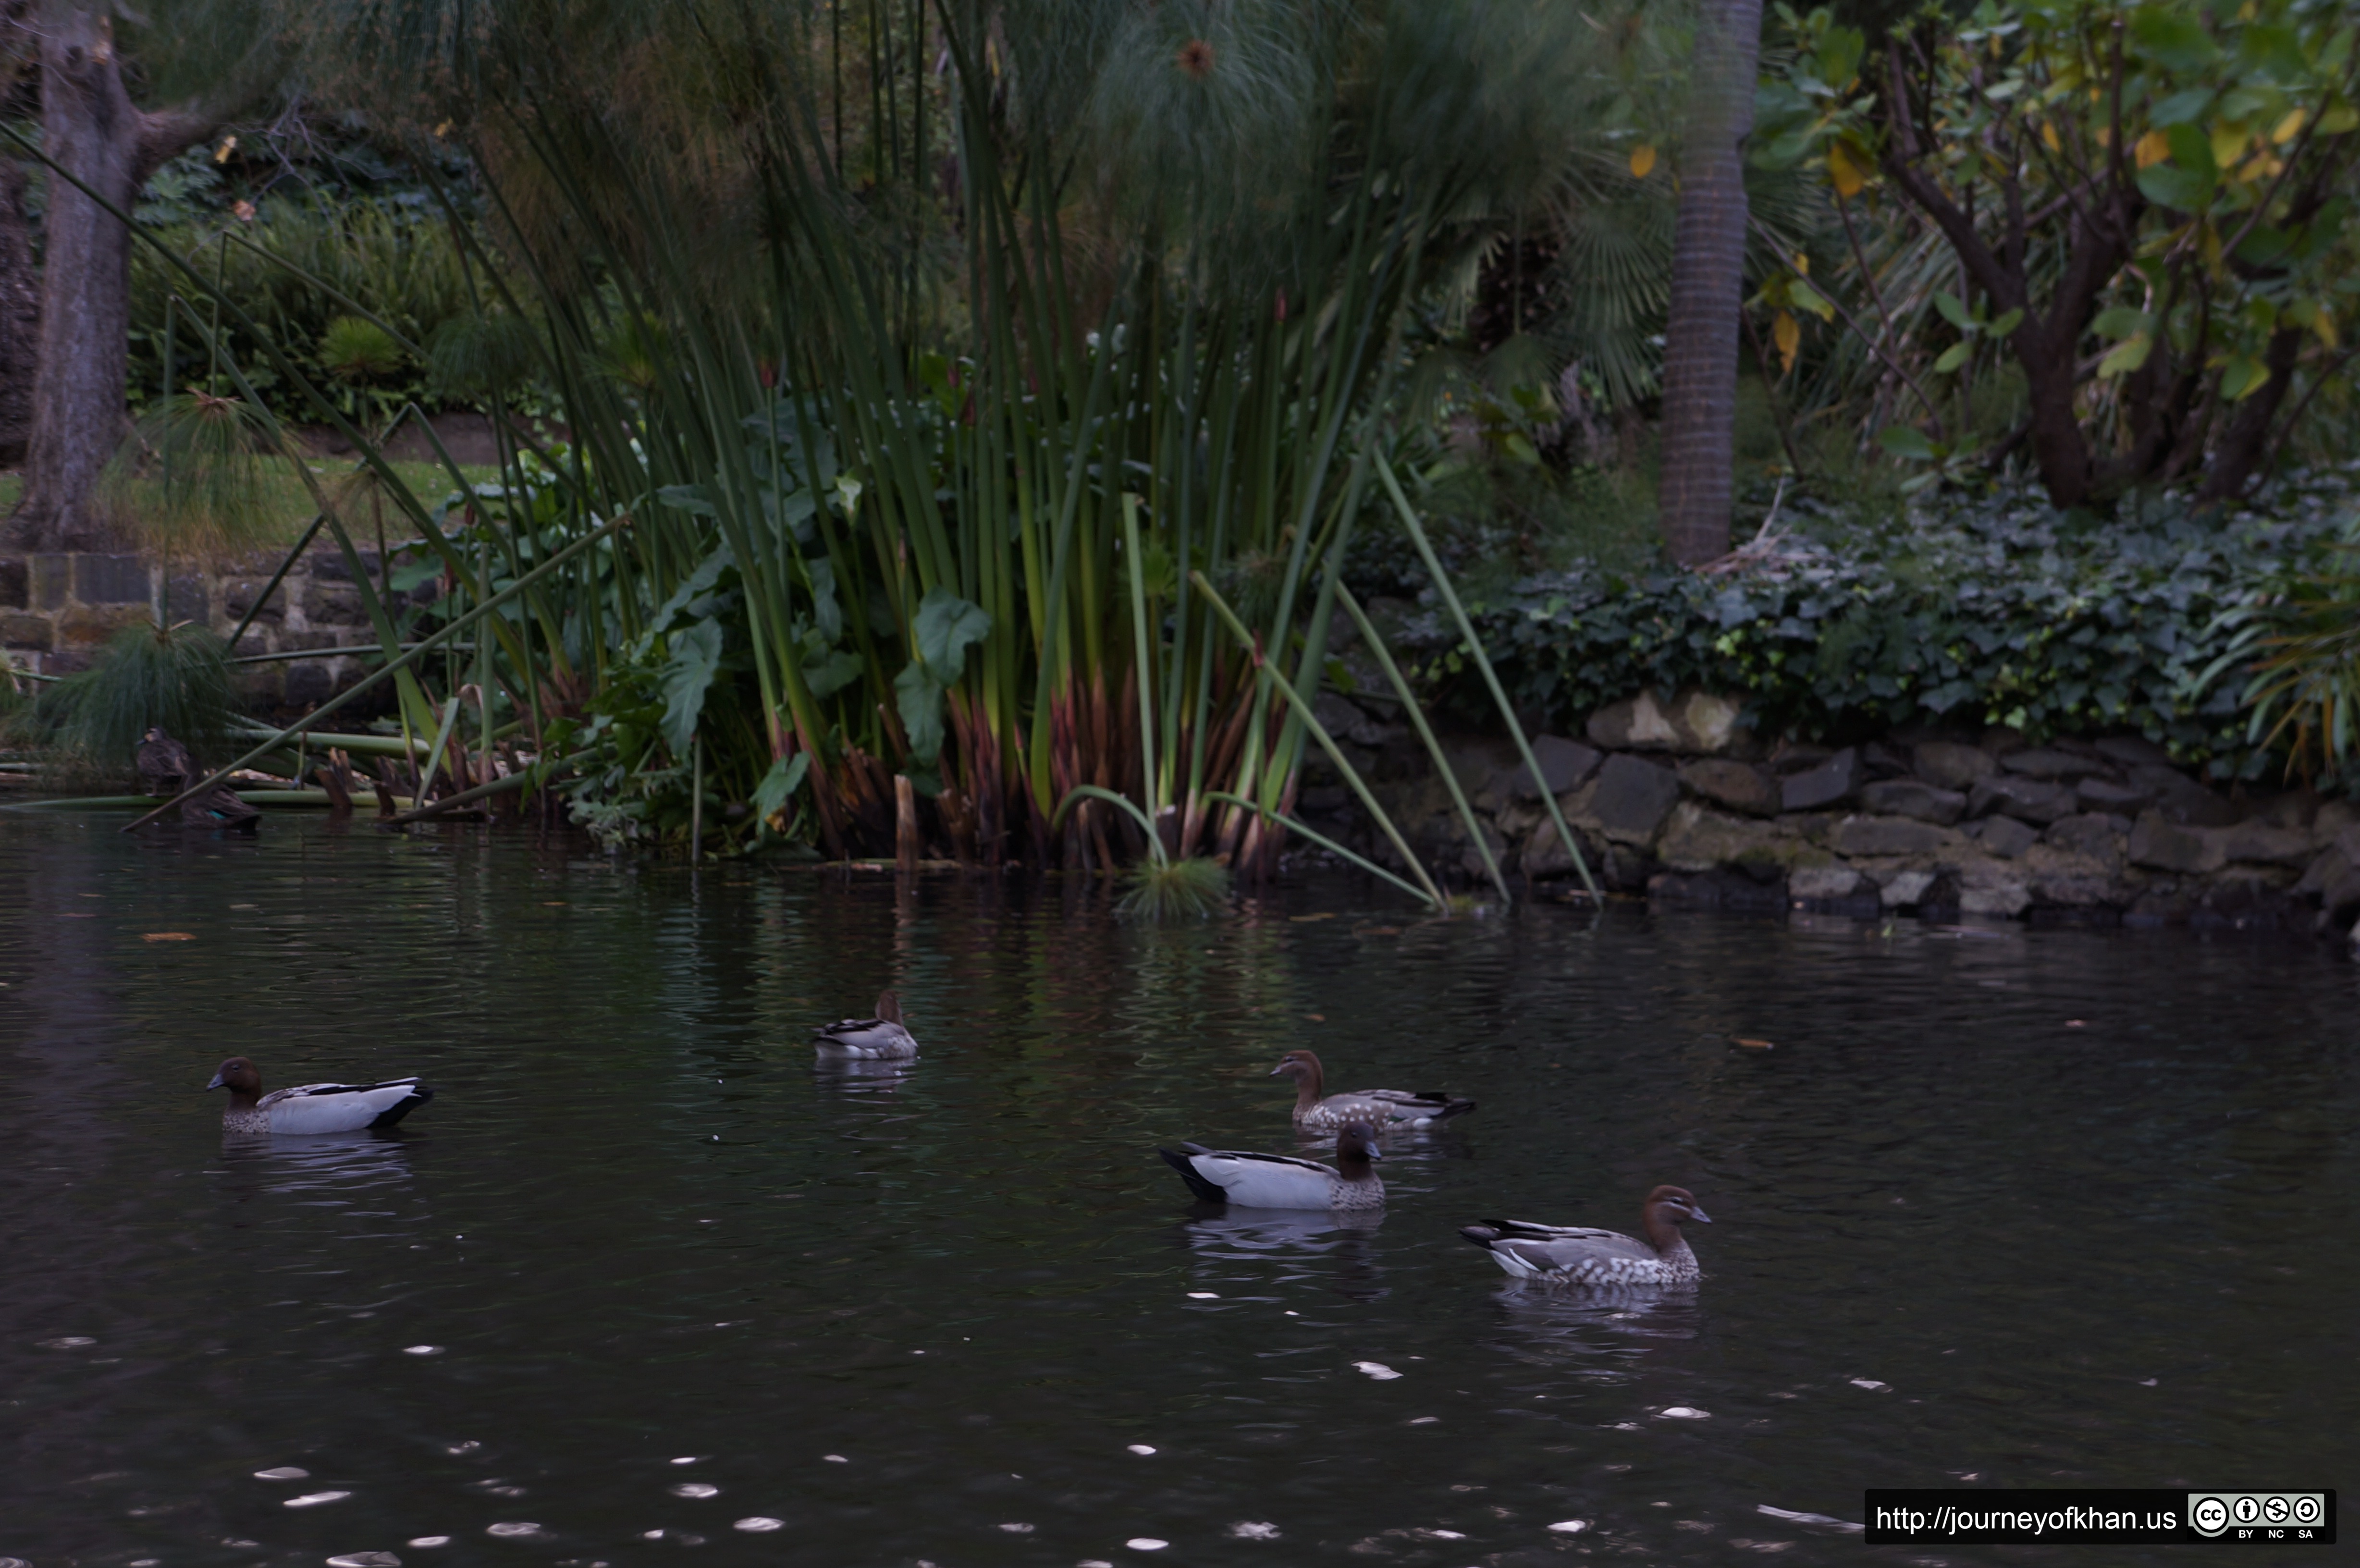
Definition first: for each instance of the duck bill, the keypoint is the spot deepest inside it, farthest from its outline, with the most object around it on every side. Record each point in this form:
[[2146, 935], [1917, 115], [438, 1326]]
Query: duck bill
[[1698, 1215], [215, 1083]]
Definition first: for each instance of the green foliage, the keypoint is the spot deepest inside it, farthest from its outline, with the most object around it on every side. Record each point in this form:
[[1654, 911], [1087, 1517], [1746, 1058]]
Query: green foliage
[[2001, 612], [2297, 635], [202, 477], [178, 679], [1168, 892]]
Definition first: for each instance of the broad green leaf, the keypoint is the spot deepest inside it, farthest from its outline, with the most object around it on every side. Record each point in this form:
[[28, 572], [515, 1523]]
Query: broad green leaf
[[947, 625], [686, 676], [1952, 310], [2007, 323], [1803, 297], [2120, 322], [1904, 441], [2173, 36], [2167, 185], [779, 784], [1952, 357], [688, 498], [831, 671], [2183, 108], [2275, 49], [2244, 376], [2192, 148], [2127, 356], [919, 696], [1840, 53], [826, 611]]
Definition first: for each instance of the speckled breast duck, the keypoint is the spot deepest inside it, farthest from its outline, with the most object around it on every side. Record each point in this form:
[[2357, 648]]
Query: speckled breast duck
[[1576, 1254], [1316, 1111]]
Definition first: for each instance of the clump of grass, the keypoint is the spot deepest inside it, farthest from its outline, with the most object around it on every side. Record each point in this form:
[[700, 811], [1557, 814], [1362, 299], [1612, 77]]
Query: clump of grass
[[1165, 892], [200, 478], [354, 351], [177, 678]]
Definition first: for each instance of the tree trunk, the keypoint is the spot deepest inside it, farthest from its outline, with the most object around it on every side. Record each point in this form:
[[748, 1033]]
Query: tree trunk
[[1700, 453], [93, 132], [2240, 450], [20, 315]]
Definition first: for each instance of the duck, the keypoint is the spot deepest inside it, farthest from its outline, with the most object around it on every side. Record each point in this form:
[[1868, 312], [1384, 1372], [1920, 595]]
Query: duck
[[313, 1107], [881, 1038], [1385, 1108], [1280, 1182], [1577, 1255]]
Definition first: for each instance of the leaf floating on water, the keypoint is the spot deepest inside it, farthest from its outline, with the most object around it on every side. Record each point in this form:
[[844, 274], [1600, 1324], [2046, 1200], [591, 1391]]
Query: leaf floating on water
[[170, 936], [836, 1459], [1570, 1527], [1739, 1040], [1794, 1517], [1141, 1449], [512, 1529], [1253, 1529], [1685, 1413], [422, 1350], [428, 1540], [1203, 1295], [282, 1473], [1871, 1384], [68, 1342], [687, 1459], [365, 1560], [1377, 1369], [1307, 919], [1442, 1534], [313, 1500], [1424, 1421], [696, 1489], [1016, 1528], [759, 1524], [1146, 1544]]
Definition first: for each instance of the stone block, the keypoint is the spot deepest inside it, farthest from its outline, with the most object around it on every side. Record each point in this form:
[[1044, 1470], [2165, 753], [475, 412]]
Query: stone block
[[2260, 844], [1947, 764], [2339, 900], [2298, 808], [1797, 757], [1904, 888], [1565, 764], [2004, 836], [2090, 835], [1633, 798], [330, 605], [50, 580], [32, 634], [1545, 857], [308, 683], [328, 565], [188, 597], [2051, 763], [2000, 740], [2132, 751], [1338, 714], [2106, 795], [111, 579], [1820, 884], [1740, 786], [2182, 800], [2324, 868], [89, 625], [15, 585], [1914, 797], [1889, 835], [308, 642], [2162, 845], [1992, 887], [1690, 722], [2033, 800], [1831, 783], [1695, 839], [238, 596], [1718, 890]]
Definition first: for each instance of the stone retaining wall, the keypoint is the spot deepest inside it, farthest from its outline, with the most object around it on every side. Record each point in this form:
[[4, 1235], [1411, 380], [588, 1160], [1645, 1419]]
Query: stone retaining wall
[[56, 611], [1674, 799]]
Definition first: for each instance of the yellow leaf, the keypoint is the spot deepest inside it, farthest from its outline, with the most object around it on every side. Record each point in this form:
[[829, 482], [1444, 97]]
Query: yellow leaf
[[220, 153], [2246, 13], [1643, 160], [2289, 128], [2229, 144], [1787, 333], [1845, 175], [2323, 324], [1802, 264], [2338, 119], [2048, 135], [2152, 148]]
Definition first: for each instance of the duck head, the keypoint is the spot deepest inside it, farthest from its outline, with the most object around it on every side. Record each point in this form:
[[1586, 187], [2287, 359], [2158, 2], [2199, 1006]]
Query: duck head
[[241, 1078], [1356, 1146], [889, 1006], [1666, 1210], [1303, 1068]]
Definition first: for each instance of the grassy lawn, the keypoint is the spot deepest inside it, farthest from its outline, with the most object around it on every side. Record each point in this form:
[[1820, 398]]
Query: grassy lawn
[[290, 505]]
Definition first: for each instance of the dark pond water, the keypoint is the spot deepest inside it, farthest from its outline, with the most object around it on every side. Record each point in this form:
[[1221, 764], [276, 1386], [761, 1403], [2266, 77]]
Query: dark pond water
[[674, 1280]]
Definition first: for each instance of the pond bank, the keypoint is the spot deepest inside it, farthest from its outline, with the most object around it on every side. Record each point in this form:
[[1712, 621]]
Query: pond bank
[[1674, 799]]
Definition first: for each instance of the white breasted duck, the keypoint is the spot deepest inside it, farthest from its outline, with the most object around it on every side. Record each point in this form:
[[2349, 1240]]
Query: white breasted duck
[[1576, 1254], [1383, 1108], [881, 1038], [313, 1107], [1279, 1182]]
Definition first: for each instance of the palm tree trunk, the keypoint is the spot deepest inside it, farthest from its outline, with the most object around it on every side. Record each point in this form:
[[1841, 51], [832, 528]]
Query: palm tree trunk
[[1708, 285]]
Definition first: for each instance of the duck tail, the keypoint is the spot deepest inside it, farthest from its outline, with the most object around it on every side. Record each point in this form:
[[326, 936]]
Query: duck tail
[[1478, 1236], [1207, 1191], [1453, 1108]]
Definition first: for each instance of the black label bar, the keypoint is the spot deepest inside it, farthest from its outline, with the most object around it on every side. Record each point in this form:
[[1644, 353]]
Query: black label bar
[[2098, 1516]]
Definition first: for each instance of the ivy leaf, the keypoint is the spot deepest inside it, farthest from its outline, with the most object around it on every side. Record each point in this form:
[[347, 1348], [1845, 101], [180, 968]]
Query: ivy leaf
[[2127, 356], [1953, 311], [2177, 189], [2007, 323], [2244, 376], [1957, 354]]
